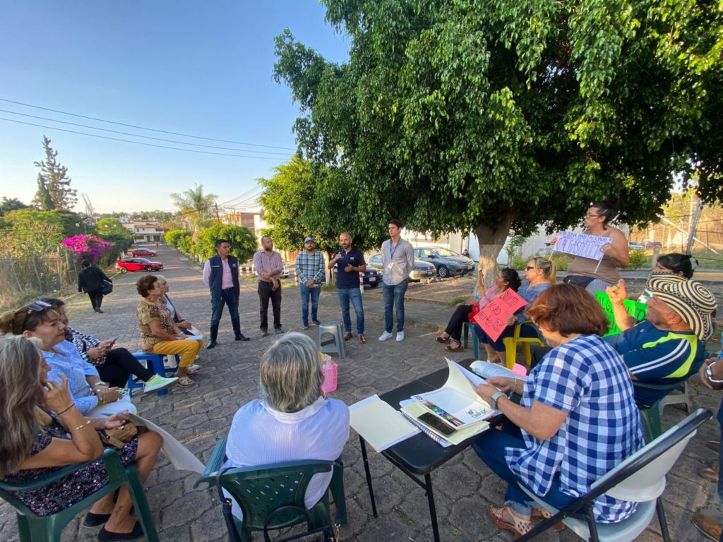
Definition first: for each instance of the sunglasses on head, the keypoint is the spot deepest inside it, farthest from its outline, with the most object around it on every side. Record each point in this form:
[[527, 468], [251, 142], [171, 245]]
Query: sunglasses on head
[[38, 306]]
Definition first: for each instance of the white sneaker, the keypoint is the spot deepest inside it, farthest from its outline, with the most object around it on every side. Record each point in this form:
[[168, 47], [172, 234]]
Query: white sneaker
[[385, 336], [158, 382], [400, 336], [193, 369]]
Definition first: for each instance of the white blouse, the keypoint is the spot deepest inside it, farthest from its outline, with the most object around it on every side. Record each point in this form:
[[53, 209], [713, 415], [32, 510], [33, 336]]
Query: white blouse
[[260, 435]]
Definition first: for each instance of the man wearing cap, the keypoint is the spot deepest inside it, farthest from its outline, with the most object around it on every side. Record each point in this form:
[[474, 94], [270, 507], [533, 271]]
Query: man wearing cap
[[311, 276], [666, 347]]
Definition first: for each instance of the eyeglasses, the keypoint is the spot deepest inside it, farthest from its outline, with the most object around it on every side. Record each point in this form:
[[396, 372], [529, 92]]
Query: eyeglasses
[[588, 215], [530, 267]]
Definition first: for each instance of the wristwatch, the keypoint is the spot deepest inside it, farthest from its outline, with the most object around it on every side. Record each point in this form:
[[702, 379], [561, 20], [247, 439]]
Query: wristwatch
[[709, 375], [495, 397]]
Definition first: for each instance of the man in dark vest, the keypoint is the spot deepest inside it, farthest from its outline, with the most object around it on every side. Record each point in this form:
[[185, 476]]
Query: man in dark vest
[[220, 273]]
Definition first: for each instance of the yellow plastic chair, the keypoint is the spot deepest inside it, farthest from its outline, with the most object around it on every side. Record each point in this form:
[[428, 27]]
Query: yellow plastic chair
[[511, 347]]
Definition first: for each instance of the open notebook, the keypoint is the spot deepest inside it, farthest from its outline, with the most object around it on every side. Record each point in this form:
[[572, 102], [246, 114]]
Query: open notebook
[[379, 424]]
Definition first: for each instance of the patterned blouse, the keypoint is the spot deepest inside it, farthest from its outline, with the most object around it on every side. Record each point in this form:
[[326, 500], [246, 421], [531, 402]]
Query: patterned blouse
[[83, 343], [147, 312]]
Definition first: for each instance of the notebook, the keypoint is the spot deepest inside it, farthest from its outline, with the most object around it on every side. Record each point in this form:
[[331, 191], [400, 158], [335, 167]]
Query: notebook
[[413, 410], [486, 370], [379, 424]]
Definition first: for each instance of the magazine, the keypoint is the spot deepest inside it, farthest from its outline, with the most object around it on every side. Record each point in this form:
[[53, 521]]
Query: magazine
[[486, 370]]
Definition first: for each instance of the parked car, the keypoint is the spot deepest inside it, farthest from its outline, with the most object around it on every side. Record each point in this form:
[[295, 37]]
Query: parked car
[[654, 244], [143, 252], [372, 277], [447, 262], [421, 271], [636, 246], [137, 264]]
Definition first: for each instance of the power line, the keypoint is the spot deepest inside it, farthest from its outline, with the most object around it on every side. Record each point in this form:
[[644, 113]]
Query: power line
[[243, 195], [143, 127], [137, 142], [140, 135]]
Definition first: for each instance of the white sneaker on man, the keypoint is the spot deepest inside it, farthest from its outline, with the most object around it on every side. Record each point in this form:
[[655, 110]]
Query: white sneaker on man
[[385, 336], [157, 382], [400, 336]]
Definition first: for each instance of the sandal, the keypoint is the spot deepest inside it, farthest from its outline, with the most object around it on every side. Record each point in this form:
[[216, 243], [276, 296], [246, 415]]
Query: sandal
[[362, 339], [442, 340], [541, 513], [185, 381], [348, 335], [458, 348], [507, 519]]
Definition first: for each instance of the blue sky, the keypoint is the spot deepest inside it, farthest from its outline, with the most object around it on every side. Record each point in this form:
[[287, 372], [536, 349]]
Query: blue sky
[[196, 67]]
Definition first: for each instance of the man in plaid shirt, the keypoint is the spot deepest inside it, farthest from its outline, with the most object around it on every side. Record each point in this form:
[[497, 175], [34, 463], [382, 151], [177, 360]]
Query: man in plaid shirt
[[311, 275]]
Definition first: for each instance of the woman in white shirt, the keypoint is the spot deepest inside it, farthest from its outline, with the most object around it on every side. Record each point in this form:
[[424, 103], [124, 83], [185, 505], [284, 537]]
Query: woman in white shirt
[[292, 421]]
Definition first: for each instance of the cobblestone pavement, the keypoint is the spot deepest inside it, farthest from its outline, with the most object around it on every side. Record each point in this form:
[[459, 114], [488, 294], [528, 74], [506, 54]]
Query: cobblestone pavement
[[200, 415]]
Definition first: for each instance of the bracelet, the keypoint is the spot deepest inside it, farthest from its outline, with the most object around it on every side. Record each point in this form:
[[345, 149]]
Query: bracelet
[[66, 409], [79, 427], [709, 374]]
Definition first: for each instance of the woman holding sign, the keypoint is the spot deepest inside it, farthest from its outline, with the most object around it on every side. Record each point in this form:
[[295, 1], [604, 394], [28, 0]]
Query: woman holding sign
[[539, 275], [596, 275]]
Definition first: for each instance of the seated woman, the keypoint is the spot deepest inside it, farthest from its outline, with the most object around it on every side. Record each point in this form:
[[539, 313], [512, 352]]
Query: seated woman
[[594, 275], [49, 433], [576, 421], [114, 365], [292, 420], [184, 325], [539, 275], [159, 335], [670, 264], [90, 395], [506, 278]]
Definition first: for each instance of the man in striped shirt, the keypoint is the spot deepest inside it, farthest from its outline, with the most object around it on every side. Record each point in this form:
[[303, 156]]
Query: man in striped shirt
[[667, 347], [311, 275]]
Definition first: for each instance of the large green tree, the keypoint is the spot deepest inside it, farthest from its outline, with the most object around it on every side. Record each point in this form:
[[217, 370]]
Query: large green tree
[[299, 201], [29, 232], [499, 115], [243, 242], [195, 206], [54, 191], [10, 204]]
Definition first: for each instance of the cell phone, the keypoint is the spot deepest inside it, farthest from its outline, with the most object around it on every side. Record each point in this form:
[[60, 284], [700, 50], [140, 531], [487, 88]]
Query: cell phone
[[114, 339], [431, 420]]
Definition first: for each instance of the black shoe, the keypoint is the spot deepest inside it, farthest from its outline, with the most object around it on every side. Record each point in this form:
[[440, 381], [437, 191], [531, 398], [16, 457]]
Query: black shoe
[[93, 520], [316, 322], [242, 337], [264, 332], [108, 536], [99, 311], [278, 331], [210, 345]]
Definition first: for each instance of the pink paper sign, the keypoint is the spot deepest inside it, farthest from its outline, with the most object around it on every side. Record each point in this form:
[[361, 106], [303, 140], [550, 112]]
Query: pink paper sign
[[493, 318]]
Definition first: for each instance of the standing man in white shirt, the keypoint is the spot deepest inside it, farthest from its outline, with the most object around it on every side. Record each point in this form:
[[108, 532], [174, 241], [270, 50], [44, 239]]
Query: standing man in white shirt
[[398, 259]]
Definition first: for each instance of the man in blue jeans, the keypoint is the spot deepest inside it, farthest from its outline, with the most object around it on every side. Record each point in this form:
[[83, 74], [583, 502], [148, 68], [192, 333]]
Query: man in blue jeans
[[349, 264], [398, 259], [311, 275]]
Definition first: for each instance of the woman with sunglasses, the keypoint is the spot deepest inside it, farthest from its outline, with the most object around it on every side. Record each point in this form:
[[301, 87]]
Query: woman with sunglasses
[[540, 275], [43, 431], [90, 395], [594, 275], [506, 278]]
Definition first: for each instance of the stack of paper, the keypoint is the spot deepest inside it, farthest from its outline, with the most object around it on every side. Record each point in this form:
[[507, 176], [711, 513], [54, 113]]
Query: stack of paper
[[379, 424]]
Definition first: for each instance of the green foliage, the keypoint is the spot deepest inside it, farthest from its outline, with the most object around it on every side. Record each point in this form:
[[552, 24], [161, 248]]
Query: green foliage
[[517, 261], [54, 190], [458, 116], [112, 230], [561, 261], [194, 206], [10, 204], [173, 237], [299, 201], [243, 242], [638, 259], [30, 232]]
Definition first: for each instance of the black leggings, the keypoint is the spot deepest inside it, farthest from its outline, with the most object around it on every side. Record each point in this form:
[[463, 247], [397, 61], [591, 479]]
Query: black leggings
[[96, 298], [457, 320], [119, 364]]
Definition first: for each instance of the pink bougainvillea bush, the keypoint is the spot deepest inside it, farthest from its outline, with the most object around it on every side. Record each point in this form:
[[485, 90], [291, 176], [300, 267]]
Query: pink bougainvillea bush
[[86, 246]]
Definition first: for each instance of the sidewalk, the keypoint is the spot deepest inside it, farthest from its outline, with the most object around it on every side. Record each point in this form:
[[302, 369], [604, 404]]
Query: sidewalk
[[200, 415]]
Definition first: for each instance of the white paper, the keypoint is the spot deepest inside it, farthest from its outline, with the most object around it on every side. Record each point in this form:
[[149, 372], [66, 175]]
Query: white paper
[[179, 456], [581, 244], [379, 424], [486, 370]]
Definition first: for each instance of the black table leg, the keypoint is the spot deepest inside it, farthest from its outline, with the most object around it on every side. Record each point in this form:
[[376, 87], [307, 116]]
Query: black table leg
[[432, 507], [368, 474]]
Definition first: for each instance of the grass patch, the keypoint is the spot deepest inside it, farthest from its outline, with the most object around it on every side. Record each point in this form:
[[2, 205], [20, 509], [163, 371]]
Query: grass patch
[[457, 301]]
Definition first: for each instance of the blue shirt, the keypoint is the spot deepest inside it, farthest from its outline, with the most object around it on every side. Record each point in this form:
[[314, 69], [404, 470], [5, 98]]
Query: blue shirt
[[657, 356], [529, 293], [586, 379], [349, 279], [65, 359]]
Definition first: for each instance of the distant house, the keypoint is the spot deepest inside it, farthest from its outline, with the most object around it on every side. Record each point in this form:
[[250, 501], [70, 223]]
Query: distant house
[[145, 232]]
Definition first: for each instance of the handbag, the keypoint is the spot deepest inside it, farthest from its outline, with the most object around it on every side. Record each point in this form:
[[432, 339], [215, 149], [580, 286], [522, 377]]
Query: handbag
[[118, 436], [107, 287]]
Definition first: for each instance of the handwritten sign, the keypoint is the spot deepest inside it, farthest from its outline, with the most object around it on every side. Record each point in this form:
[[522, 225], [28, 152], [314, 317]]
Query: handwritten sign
[[581, 244], [493, 318], [634, 308]]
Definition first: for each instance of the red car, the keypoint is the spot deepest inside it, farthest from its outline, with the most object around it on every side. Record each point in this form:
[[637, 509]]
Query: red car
[[142, 252], [137, 264]]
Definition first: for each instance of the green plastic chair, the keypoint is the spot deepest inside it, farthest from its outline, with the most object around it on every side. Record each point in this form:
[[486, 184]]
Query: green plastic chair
[[271, 497], [467, 330], [34, 528]]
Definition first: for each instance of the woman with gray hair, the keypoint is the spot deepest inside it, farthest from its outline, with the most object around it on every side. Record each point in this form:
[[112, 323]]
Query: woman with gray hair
[[292, 421]]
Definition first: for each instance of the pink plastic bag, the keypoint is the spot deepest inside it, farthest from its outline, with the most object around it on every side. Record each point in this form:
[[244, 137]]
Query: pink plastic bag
[[331, 371], [519, 369]]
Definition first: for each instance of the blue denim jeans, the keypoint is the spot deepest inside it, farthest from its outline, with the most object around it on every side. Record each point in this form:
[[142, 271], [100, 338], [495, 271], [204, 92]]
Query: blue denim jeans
[[307, 293], [355, 296], [490, 447], [394, 297], [227, 297]]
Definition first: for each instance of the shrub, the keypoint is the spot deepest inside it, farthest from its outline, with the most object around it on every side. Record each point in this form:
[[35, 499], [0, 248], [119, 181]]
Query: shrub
[[638, 259], [173, 237]]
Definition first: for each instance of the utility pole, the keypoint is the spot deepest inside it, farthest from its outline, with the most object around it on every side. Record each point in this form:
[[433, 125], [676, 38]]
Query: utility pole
[[697, 209]]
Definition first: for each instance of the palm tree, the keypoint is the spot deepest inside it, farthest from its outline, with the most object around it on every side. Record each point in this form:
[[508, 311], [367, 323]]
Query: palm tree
[[194, 206]]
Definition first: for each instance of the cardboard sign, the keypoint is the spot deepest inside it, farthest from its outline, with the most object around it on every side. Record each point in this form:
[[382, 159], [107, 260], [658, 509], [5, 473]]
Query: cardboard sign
[[634, 308], [493, 318], [581, 244]]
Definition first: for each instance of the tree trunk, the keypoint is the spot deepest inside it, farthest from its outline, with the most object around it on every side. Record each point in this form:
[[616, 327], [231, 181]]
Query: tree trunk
[[491, 241]]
